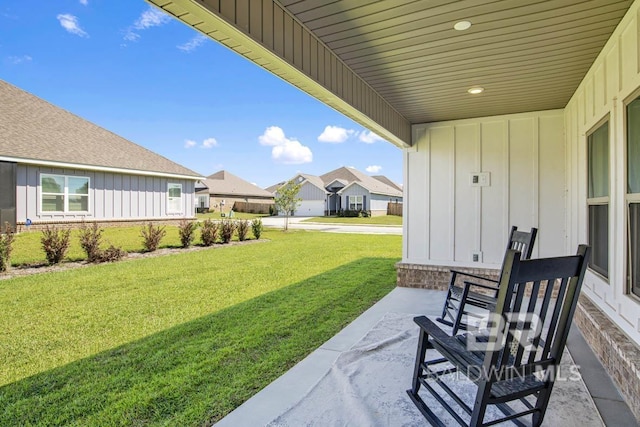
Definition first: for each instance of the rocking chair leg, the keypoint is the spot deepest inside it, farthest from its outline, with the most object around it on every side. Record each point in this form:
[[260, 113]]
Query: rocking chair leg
[[417, 371]]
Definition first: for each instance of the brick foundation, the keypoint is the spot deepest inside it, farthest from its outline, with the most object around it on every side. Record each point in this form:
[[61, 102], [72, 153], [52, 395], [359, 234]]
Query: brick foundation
[[619, 355], [437, 277], [433, 276]]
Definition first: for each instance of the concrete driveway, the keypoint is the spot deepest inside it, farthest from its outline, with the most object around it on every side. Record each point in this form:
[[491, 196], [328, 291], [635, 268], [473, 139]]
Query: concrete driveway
[[295, 223]]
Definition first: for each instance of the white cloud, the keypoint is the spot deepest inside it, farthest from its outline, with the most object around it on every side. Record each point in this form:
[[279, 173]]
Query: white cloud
[[209, 142], [335, 134], [193, 44], [84, 2], [70, 23], [151, 17], [189, 143], [373, 168], [369, 137], [285, 150], [15, 60]]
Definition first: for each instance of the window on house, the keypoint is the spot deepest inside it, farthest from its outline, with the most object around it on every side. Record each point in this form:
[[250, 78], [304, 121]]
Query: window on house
[[598, 198], [174, 198], [355, 203], [60, 193], [633, 196]]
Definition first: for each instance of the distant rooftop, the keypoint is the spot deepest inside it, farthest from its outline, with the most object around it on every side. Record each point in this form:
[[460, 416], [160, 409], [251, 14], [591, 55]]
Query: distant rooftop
[[226, 183]]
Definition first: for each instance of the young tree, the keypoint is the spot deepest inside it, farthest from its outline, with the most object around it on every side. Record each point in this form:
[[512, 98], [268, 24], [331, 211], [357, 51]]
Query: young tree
[[287, 200]]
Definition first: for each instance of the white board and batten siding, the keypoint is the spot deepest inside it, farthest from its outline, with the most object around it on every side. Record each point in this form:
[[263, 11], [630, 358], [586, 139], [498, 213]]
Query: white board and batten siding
[[448, 219], [611, 83], [112, 196]]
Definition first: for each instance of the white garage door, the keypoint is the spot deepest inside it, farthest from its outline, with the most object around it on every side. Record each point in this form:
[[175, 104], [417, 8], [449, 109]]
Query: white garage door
[[310, 208]]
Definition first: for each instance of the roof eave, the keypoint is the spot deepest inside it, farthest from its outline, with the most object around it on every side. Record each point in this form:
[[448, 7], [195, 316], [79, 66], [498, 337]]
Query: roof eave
[[68, 165]]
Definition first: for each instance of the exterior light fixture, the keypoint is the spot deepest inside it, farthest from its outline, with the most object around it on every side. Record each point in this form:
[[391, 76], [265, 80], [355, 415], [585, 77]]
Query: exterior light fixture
[[462, 25], [476, 90]]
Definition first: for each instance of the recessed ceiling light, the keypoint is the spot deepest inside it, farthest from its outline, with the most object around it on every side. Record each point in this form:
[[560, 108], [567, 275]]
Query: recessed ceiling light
[[462, 25], [476, 90]]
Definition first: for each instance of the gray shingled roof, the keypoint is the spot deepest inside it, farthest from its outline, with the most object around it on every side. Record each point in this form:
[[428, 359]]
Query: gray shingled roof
[[33, 129], [353, 175], [223, 182], [387, 181], [348, 176]]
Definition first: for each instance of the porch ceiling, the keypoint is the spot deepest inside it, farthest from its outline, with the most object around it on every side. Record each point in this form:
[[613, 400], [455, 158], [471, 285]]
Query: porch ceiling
[[528, 55], [394, 63]]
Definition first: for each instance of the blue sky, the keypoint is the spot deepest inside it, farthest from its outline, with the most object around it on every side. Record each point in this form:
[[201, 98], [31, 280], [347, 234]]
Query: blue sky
[[127, 67]]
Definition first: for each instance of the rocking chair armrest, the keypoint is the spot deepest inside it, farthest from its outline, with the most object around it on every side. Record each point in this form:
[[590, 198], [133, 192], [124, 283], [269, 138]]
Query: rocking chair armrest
[[509, 372], [469, 284], [430, 328], [475, 276]]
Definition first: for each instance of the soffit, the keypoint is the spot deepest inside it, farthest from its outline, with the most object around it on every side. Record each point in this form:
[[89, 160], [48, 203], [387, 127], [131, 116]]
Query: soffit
[[388, 64], [528, 55]]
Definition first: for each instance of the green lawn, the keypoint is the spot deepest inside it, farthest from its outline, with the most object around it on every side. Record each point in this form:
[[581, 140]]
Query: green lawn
[[27, 248], [236, 215], [374, 220], [181, 339]]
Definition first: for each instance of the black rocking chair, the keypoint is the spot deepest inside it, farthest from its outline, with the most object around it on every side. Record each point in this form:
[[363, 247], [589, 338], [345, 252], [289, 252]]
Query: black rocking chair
[[512, 363], [459, 295]]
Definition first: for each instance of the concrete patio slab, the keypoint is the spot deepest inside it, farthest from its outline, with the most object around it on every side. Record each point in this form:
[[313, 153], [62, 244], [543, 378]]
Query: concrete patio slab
[[286, 390]]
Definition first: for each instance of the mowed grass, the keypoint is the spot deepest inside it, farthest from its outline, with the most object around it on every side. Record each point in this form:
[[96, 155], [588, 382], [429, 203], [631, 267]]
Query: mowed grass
[[27, 248], [374, 220], [236, 215], [180, 339]]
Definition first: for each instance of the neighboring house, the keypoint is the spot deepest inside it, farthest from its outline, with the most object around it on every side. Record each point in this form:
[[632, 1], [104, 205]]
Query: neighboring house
[[312, 194], [343, 189], [353, 190], [221, 190], [56, 167]]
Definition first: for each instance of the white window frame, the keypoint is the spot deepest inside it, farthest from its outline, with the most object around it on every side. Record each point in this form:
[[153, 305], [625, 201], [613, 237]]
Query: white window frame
[[630, 198], [601, 200], [65, 194], [170, 199], [356, 203]]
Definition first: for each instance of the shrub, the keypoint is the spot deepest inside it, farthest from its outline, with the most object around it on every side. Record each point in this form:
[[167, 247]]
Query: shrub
[[112, 254], [55, 243], [242, 227], [209, 232], [187, 231], [90, 239], [227, 227], [272, 210], [6, 246], [152, 236], [256, 227]]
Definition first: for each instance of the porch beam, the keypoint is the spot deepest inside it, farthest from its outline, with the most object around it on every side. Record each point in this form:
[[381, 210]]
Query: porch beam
[[265, 33]]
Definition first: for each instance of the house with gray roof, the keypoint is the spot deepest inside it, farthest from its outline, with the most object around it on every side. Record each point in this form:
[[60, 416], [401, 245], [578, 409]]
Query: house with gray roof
[[344, 189], [56, 167], [222, 190], [356, 191]]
